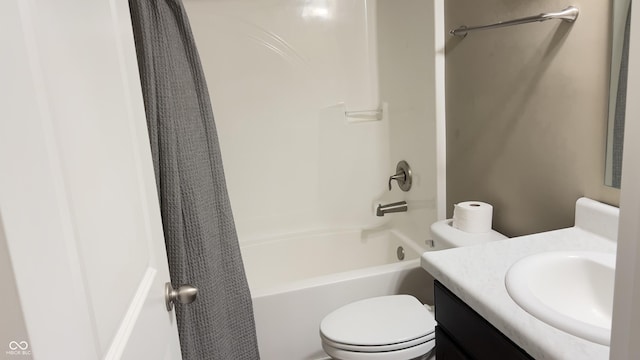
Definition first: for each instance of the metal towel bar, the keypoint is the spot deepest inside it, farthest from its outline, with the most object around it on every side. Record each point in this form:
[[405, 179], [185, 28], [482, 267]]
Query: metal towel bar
[[569, 14]]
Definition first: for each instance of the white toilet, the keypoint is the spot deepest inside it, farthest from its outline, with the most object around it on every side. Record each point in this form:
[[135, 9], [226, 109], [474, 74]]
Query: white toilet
[[395, 327]]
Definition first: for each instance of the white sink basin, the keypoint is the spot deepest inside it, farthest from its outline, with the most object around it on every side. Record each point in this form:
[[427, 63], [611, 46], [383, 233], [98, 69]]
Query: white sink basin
[[569, 290]]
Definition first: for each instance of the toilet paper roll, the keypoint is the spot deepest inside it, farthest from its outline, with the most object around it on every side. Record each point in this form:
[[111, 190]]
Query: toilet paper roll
[[473, 216]]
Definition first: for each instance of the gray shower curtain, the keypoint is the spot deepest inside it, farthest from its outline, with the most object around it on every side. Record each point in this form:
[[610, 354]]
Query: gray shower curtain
[[200, 235]]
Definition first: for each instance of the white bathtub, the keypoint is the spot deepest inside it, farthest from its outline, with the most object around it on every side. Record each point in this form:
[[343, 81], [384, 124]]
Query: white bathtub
[[296, 280]]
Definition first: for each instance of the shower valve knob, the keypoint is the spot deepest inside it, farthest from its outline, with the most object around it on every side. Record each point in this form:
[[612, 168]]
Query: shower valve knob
[[403, 176], [185, 294], [399, 177]]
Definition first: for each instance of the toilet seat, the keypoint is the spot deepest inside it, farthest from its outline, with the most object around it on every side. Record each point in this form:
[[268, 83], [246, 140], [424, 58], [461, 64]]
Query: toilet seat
[[379, 348], [415, 352], [381, 328]]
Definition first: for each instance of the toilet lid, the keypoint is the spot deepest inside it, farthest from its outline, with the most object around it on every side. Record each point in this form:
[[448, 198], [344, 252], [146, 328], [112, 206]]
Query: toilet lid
[[378, 321]]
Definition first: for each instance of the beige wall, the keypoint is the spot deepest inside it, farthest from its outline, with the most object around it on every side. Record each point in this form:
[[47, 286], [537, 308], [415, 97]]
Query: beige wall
[[526, 112]]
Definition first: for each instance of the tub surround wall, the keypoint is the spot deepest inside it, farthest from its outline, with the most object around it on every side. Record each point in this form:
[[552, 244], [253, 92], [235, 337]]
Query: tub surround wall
[[282, 73], [527, 112]]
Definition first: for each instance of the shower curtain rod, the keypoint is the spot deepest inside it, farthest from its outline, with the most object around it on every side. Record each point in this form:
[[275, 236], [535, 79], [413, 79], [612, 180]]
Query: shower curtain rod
[[569, 15]]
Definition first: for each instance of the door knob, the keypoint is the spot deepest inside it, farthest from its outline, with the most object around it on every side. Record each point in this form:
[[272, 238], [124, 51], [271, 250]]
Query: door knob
[[185, 294]]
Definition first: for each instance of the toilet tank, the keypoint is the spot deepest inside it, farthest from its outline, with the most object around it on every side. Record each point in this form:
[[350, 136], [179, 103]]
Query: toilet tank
[[445, 236]]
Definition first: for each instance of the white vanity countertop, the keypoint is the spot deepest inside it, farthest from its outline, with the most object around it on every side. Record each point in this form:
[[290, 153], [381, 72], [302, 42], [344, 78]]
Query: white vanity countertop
[[476, 275]]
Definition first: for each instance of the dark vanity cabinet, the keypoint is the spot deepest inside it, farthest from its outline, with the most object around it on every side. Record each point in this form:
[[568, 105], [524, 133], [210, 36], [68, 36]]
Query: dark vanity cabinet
[[464, 334]]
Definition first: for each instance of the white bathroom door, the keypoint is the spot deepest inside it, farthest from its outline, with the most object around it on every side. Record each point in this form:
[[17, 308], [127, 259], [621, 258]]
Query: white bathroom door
[[78, 205]]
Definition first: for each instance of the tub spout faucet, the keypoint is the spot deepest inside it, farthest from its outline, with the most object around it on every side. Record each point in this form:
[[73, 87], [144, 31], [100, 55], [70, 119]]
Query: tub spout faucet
[[400, 206]]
